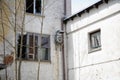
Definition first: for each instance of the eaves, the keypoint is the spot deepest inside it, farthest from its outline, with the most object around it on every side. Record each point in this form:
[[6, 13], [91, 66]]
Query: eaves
[[86, 10]]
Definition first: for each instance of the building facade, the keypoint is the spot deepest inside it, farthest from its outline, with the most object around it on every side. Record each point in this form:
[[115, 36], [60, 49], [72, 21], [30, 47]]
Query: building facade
[[29, 31], [92, 42]]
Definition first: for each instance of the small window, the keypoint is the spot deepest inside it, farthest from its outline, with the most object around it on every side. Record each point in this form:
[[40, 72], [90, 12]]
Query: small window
[[33, 6], [31, 49], [95, 40]]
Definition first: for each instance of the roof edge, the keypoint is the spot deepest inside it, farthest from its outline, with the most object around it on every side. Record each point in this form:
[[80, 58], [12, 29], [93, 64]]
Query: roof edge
[[86, 10]]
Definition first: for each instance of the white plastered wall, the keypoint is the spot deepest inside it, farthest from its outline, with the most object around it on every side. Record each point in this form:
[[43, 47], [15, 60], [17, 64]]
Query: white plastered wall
[[99, 65]]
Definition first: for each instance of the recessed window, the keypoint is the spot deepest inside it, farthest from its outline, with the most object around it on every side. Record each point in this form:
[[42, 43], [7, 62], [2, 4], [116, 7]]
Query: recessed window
[[31, 48], [95, 40], [33, 6]]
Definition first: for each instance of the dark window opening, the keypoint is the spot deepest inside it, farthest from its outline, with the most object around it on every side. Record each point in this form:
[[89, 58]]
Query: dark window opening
[[33, 6], [29, 6], [38, 6], [23, 52]]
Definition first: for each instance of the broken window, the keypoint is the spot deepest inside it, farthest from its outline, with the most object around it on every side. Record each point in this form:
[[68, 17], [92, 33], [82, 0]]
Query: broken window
[[31, 49], [95, 40], [33, 6]]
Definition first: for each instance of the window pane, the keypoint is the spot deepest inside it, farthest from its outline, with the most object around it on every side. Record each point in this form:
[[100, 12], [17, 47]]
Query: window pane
[[23, 48], [29, 6], [95, 41], [36, 46], [36, 40], [44, 54], [38, 6], [45, 43], [31, 41], [31, 44]]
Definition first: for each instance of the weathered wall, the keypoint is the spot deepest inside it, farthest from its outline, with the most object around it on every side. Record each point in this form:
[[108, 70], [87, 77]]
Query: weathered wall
[[3, 21], [99, 65], [5, 30], [54, 13], [68, 8]]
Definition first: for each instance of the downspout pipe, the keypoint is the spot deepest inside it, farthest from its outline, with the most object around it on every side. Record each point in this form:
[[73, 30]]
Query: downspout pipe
[[63, 54], [65, 8]]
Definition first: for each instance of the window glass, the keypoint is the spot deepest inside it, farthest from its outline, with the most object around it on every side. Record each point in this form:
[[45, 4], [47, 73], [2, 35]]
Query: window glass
[[29, 6], [95, 40], [23, 45], [33, 6], [45, 42], [44, 55], [45, 47], [38, 6]]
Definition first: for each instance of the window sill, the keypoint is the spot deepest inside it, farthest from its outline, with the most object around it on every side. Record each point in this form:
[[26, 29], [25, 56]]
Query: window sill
[[32, 14], [43, 61], [47, 61], [94, 50]]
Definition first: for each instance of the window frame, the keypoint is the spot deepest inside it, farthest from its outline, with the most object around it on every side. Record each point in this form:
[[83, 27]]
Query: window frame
[[49, 48], [39, 51], [28, 41], [90, 48], [34, 7]]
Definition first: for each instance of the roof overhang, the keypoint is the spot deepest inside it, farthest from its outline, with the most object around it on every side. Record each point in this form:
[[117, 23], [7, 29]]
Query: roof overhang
[[86, 10]]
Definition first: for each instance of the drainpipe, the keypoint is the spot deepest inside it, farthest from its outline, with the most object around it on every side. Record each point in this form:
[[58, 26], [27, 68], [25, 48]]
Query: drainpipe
[[63, 55], [65, 7]]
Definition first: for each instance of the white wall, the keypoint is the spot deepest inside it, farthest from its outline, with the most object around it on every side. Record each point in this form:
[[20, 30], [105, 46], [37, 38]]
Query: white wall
[[52, 70], [54, 12], [99, 65]]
